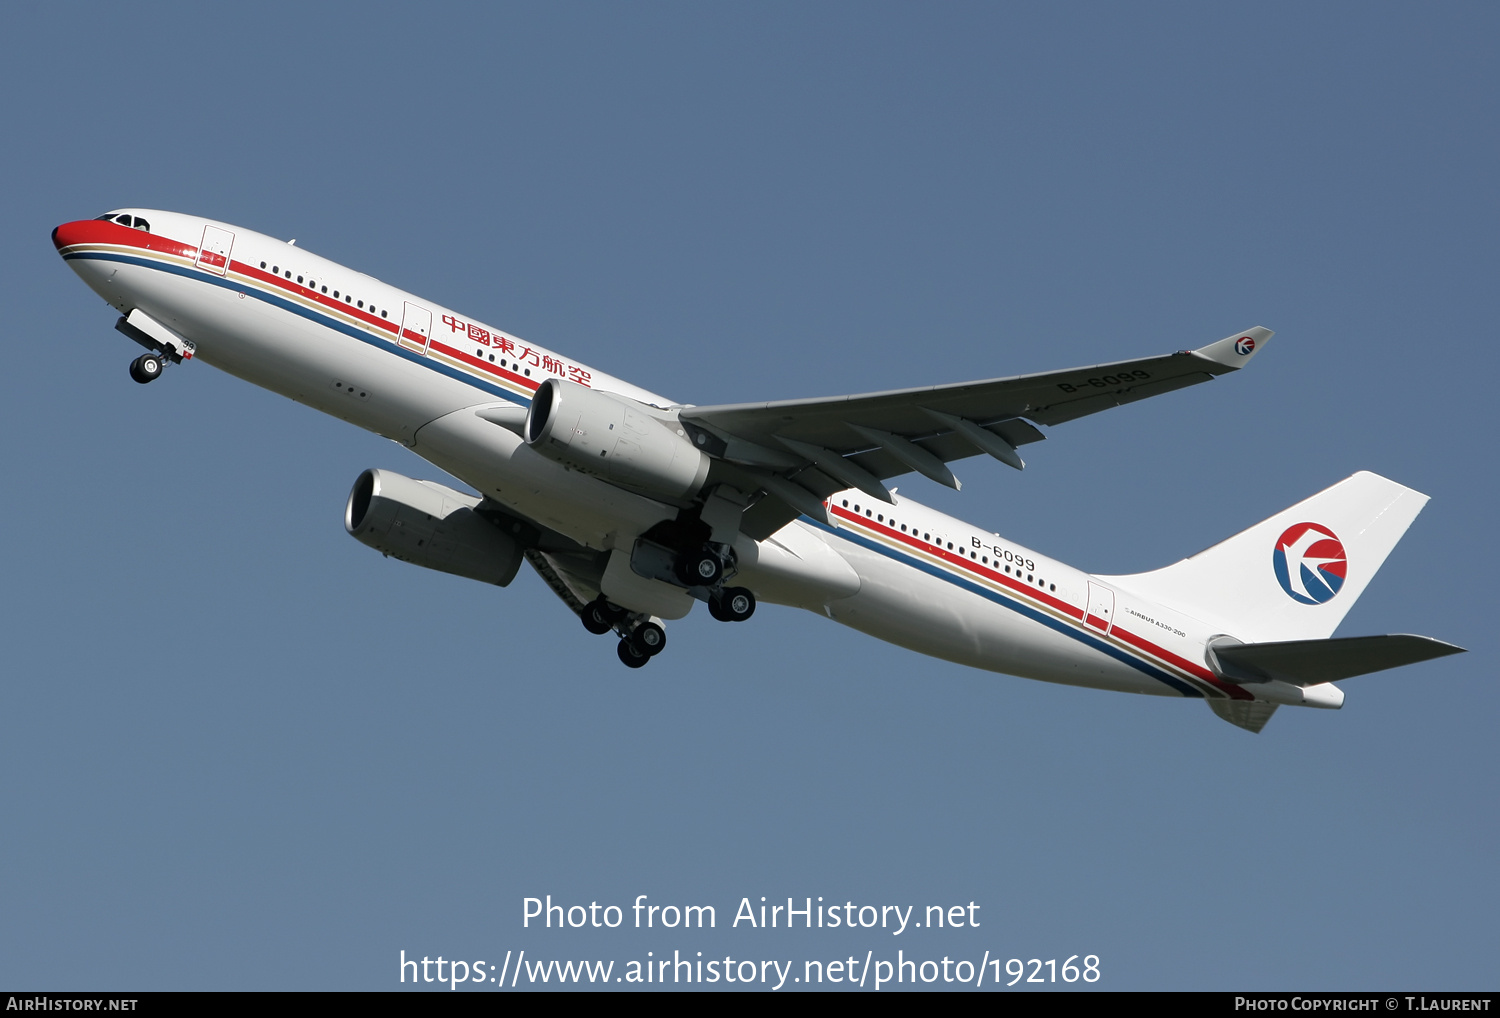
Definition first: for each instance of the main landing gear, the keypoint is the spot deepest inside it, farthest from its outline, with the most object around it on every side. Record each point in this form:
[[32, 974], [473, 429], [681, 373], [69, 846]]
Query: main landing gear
[[702, 568], [641, 639], [643, 643], [146, 368], [732, 604]]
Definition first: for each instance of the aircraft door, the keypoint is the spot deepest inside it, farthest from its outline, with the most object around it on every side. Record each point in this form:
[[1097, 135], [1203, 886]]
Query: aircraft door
[[416, 327], [213, 253], [1101, 607]]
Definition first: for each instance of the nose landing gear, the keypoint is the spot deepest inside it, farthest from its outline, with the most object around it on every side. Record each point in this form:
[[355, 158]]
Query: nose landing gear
[[161, 343], [146, 368]]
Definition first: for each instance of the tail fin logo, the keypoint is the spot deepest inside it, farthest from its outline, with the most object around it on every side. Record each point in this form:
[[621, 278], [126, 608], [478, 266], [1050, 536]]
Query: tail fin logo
[[1244, 346], [1310, 563]]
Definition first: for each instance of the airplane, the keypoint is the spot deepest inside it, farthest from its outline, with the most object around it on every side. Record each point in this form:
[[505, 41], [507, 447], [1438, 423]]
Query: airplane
[[633, 507]]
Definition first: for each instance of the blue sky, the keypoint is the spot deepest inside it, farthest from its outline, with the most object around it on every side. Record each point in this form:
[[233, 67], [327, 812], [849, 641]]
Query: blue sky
[[243, 751]]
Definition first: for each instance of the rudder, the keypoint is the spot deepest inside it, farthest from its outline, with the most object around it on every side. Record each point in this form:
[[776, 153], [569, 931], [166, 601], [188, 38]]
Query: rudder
[[1296, 575]]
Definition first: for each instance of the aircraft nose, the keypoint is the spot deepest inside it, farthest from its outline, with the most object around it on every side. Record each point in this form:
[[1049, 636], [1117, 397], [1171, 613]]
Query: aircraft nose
[[72, 233]]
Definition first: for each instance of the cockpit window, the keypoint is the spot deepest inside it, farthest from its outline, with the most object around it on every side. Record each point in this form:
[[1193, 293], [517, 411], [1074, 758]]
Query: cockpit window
[[124, 219]]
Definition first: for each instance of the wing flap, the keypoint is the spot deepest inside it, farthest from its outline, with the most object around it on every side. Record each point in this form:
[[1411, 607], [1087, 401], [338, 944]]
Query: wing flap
[[949, 421]]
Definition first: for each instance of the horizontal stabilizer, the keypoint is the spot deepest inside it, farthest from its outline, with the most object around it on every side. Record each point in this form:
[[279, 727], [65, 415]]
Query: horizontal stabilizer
[[1310, 662]]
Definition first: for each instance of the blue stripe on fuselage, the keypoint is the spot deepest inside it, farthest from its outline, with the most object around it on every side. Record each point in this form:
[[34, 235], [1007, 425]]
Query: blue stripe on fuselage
[[1019, 607], [325, 320]]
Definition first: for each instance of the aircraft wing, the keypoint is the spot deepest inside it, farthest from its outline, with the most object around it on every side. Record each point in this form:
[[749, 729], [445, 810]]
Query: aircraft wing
[[802, 450]]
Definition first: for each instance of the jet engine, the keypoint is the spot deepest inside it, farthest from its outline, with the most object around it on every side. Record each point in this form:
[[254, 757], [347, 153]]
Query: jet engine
[[615, 438], [429, 525]]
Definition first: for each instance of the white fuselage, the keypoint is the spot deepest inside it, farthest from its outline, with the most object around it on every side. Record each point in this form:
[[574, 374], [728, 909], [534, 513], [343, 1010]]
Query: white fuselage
[[413, 371]]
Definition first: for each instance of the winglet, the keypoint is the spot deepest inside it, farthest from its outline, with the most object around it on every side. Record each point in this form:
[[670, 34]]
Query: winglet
[[1235, 351]]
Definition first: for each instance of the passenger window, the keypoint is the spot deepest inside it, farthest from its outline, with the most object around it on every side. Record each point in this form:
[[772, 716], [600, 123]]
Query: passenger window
[[299, 278], [347, 298], [275, 268], [382, 314], [262, 264], [361, 304], [325, 289]]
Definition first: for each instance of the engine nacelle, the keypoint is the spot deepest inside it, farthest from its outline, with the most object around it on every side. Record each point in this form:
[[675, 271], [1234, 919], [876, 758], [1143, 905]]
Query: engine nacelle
[[615, 438], [429, 525]]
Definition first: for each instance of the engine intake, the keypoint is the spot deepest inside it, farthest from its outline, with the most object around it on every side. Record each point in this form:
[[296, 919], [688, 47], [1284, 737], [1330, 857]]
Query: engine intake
[[429, 525], [618, 439]]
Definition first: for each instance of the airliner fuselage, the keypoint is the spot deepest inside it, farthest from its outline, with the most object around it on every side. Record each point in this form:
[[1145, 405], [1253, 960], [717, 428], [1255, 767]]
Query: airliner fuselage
[[617, 532]]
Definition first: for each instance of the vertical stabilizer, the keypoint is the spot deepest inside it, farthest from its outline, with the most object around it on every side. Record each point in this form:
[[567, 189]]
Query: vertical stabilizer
[[1296, 575]]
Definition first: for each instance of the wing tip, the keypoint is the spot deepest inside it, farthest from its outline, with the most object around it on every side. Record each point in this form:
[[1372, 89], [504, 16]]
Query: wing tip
[[1235, 351]]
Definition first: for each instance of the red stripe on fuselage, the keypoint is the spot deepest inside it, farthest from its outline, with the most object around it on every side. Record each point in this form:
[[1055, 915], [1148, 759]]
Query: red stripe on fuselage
[[494, 369], [265, 277], [1198, 672], [1193, 671], [955, 558], [98, 231]]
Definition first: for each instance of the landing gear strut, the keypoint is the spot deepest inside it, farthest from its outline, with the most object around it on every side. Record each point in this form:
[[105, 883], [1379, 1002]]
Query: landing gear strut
[[146, 368]]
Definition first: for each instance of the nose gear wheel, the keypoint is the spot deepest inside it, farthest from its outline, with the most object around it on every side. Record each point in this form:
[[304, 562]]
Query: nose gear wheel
[[146, 368]]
